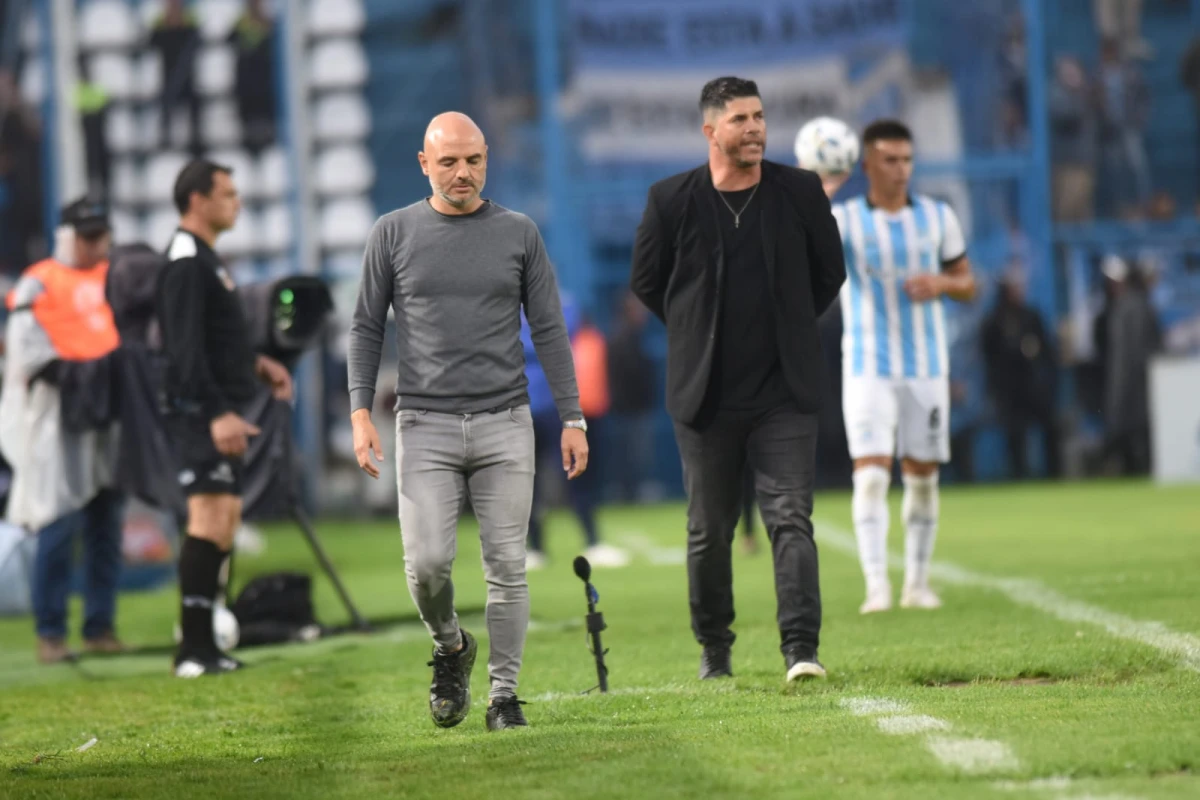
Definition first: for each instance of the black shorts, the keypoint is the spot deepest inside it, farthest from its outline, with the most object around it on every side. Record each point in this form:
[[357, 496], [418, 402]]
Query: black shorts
[[202, 469]]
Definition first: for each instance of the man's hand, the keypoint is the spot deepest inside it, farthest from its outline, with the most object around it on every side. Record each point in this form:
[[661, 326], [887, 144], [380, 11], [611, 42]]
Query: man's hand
[[574, 452], [832, 182], [923, 288], [275, 375], [366, 441], [230, 434]]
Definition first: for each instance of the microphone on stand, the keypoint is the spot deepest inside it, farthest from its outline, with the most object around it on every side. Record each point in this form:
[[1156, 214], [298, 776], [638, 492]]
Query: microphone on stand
[[595, 620]]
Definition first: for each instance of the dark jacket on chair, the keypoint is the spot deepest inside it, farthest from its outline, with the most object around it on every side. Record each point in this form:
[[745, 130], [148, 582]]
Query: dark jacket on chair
[[679, 268]]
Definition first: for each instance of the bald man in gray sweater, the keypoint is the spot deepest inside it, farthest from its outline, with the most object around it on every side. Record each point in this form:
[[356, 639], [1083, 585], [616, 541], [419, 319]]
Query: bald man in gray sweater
[[456, 270]]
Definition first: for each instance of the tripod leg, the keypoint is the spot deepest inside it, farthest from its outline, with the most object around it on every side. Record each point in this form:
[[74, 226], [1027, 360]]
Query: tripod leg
[[306, 528]]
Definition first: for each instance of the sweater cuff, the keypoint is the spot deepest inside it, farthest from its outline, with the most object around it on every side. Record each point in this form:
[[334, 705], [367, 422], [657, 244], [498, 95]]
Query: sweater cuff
[[362, 398]]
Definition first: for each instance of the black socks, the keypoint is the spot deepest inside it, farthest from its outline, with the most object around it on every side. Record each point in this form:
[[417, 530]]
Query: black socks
[[199, 580]]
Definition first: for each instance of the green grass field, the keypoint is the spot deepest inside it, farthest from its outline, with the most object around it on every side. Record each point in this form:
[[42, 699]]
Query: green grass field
[[1065, 664]]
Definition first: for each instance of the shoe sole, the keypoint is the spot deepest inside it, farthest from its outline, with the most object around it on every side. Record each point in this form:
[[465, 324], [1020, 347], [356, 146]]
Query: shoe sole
[[194, 669], [472, 651], [493, 728], [805, 671], [864, 610]]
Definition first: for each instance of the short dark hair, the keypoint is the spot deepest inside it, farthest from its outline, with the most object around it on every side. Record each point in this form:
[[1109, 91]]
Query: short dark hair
[[717, 93], [197, 176], [886, 130]]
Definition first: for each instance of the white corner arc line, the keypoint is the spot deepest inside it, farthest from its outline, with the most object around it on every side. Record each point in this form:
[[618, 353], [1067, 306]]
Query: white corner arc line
[[1026, 592]]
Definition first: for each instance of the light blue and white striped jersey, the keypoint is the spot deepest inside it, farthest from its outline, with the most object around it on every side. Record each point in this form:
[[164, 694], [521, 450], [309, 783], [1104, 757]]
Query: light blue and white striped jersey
[[887, 335]]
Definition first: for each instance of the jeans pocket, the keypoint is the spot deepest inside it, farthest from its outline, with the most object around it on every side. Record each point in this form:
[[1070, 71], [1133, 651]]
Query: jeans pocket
[[521, 415]]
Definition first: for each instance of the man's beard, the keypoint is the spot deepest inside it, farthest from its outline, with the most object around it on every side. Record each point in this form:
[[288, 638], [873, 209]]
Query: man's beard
[[459, 202], [734, 154]]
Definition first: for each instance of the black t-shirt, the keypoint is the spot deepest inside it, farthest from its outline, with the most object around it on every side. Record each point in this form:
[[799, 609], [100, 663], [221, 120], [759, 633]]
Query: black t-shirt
[[206, 339], [747, 375]]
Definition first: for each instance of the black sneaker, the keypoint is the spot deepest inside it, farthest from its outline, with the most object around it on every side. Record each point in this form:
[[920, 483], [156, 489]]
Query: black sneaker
[[505, 712], [450, 693], [194, 664], [802, 664], [714, 663]]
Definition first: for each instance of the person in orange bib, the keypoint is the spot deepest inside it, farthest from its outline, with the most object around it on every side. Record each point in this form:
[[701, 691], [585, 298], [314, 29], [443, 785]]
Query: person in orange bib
[[61, 479]]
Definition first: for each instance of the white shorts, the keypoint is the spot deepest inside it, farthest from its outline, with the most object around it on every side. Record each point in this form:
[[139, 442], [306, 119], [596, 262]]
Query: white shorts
[[901, 417]]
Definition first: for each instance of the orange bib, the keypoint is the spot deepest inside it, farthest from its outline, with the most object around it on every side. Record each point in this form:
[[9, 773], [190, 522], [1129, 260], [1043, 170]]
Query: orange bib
[[591, 372], [73, 310]]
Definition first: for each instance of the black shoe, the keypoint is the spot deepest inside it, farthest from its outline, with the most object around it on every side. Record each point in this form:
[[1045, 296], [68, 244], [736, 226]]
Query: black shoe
[[194, 664], [450, 693], [505, 712], [802, 664], [714, 663]]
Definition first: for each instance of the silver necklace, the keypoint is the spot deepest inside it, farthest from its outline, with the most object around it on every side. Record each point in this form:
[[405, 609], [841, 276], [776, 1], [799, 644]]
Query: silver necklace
[[737, 215]]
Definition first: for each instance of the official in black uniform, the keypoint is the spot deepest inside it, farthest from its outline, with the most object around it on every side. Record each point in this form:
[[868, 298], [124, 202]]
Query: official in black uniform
[[211, 373]]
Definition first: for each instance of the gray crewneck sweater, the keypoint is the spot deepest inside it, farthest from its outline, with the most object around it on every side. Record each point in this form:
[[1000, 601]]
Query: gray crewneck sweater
[[457, 285]]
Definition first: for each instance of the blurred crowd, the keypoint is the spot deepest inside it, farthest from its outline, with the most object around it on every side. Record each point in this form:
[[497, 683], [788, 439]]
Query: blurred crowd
[[174, 35]]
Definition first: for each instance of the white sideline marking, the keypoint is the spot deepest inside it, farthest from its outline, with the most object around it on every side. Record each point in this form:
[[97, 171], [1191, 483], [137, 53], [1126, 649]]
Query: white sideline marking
[[908, 724], [870, 706], [646, 547], [1031, 593], [972, 755], [969, 755]]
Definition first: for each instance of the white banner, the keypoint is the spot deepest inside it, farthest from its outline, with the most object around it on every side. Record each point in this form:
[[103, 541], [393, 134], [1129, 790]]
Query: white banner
[[656, 115], [1175, 419]]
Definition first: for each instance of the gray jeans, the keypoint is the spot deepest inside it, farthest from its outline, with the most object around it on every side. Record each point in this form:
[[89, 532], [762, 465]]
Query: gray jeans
[[441, 460]]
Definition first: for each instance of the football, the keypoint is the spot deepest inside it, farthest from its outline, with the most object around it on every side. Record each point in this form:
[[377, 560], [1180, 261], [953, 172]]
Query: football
[[226, 631], [827, 146]]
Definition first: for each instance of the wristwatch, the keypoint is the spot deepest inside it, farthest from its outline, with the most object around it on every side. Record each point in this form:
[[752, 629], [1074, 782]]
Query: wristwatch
[[580, 423]]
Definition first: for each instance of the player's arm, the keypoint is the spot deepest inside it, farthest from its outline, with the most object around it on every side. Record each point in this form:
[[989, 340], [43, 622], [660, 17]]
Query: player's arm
[[182, 311], [832, 182], [370, 319], [275, 375], [957, 279], [367, 327], [653, 259], [29, 348], [548, 325], [826, 259], [552, 343]]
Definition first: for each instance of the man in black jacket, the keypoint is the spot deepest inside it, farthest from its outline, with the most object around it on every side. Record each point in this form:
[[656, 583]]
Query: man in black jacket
[[739, 258]]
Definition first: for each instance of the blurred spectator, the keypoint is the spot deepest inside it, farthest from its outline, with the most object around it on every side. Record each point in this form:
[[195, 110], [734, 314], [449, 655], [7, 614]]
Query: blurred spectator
[[1189, 76], [631, 389], [253, 40], [1021, 375], [176, 37], [963, 428], [1121, 21], [1162, 207], [92, 102], [1127, 335], [1014, 82], [1124, 102], [547, 434], [1073, 142], [22, 233]]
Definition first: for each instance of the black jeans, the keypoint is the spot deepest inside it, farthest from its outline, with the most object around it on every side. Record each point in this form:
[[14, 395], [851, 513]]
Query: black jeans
[[780, 447]]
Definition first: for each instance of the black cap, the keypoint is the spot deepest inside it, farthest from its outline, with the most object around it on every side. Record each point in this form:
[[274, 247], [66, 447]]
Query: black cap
[[87, 217]]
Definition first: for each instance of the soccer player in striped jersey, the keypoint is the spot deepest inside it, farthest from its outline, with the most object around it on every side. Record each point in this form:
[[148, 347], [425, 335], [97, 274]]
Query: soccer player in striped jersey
[[905, 255]]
